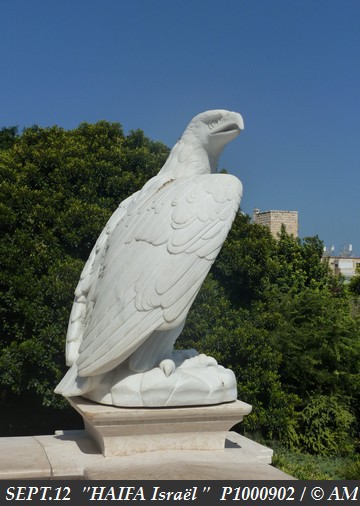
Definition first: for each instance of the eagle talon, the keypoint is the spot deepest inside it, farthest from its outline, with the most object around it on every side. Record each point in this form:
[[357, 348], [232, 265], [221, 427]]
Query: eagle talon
[[167, 366]]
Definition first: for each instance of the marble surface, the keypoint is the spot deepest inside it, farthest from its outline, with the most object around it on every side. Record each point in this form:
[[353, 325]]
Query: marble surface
[[144, 273], [197, 381], [123, 431], [73, 455], [22, 457], [183, 443]]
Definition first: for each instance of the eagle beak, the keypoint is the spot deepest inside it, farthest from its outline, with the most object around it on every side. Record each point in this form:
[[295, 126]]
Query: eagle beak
[[240, 121], [230, 127]]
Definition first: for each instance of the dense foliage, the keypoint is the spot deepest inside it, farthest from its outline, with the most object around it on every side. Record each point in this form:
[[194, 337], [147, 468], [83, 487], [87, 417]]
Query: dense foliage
[[287, 329], [57, 190], [270, 309], [305, 466]]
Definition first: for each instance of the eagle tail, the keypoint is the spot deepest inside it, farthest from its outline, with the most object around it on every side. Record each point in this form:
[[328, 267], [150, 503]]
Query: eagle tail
[[72, 384]]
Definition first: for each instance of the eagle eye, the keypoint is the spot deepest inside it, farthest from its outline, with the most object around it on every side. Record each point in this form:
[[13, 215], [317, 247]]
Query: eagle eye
[[214, 123]]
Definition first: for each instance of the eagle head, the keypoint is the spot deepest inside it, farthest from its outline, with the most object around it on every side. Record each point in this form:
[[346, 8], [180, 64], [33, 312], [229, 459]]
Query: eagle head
[[214, 129], [203, 141], [211, 131]]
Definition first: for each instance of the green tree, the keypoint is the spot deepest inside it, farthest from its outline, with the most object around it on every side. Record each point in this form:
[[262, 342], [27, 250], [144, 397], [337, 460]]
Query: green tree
[[326, 426], [8, 137], [354, 283], [319, 343], [57, 190], [283, 323], [247, 265]]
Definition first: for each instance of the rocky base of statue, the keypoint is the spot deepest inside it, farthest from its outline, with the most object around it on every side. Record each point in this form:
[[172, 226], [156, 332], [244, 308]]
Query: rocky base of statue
[[185, 378]]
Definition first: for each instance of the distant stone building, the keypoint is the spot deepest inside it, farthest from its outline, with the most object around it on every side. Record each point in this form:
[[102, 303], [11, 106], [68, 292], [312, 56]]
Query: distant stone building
[[345, 263], [275, 219]]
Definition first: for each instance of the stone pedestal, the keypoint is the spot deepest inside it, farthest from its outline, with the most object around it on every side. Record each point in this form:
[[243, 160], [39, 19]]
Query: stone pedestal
[[125, 431], [73, 455], [188, 443]]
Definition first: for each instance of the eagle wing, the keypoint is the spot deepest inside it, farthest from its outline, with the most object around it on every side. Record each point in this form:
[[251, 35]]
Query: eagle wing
[[156, 259], [88, 278]]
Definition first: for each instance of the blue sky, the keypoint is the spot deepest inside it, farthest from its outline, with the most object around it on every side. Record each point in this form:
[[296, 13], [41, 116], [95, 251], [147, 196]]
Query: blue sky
[[290, 67]]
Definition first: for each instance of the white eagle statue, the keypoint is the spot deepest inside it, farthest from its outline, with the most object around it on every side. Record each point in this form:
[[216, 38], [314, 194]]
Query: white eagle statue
[[144, 273]]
